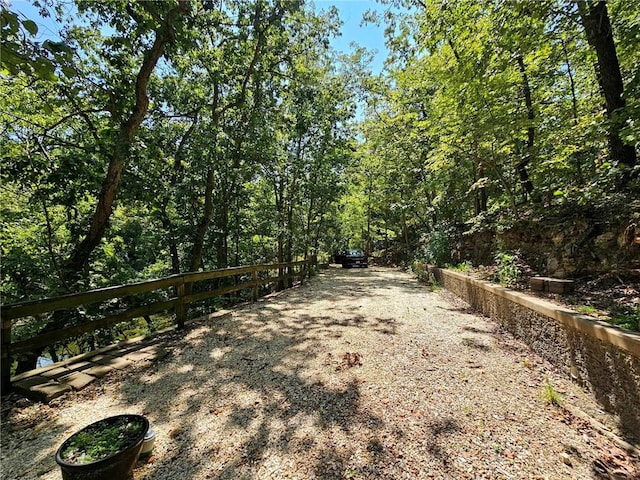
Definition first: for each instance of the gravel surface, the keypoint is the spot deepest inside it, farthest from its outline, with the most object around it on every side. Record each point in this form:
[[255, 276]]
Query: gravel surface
[[357, 374]]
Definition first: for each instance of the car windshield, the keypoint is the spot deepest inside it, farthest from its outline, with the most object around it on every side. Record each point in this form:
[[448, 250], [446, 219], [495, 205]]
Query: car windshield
[[355, 252]]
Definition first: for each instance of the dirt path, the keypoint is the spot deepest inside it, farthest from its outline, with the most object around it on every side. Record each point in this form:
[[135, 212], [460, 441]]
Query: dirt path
[[357, 374]]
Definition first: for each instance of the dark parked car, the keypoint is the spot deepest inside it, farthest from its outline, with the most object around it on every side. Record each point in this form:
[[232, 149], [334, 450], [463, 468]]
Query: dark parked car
[[354, 258], [338, 256]]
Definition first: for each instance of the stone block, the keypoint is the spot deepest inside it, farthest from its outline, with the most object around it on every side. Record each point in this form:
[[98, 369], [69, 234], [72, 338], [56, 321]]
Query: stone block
[[137, 356], [561, 286], [114, 362], [55, 372], [98, 371], [538, 283], [149, 349], [77, 380], [78, 366], [23, 386], [48, 391], [41, 389], [553, 285], [101, 358]]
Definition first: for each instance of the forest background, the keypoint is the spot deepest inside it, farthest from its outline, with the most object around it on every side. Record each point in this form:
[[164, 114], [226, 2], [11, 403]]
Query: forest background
[[166, 137]]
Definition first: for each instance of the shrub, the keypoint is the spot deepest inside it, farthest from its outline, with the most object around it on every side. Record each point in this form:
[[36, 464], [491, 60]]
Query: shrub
[[465, 266], [507, 271], [420, 270], [436, 247]]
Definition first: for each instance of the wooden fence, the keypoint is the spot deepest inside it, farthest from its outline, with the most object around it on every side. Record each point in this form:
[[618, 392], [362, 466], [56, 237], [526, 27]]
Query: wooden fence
[[248, 277]]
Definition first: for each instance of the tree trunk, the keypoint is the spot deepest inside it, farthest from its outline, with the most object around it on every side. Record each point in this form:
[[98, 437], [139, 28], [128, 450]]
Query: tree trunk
[[79, 258], [307, 234], [574, 108], [80, 255], [236, 260], [367, 247], [288, 251], [483, 191], [279, 199], [316, 241], [525, 181], [175, 176], [203, 225], [222, 234], [173, 245], [480, 198], [572, 84], [597, 26]]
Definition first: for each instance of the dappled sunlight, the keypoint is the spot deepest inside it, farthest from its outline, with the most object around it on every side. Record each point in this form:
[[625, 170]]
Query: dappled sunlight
[[218, 353], [269, 360], [185, 368], [368, 385]]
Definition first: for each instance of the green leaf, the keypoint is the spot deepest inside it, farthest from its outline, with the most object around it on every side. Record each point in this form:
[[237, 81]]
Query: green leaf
[[69, 71], [44, 69], [30, 26], [57, 47]]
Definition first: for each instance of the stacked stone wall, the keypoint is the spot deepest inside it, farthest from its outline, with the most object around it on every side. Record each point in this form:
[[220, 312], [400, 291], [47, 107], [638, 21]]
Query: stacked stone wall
[[601, 357]]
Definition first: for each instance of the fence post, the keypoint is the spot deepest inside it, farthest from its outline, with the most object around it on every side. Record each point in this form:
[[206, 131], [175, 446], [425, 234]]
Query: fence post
[[281, 284], [181, 311], [255, 285], [5, 357]]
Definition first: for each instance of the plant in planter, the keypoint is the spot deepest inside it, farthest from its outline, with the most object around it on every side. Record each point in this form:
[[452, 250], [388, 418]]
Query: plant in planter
[[106, 449]]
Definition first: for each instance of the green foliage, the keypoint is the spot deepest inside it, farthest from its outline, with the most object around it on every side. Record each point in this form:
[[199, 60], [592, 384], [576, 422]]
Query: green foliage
[[250, 152], [20, 54], [629, 319], [586, 309], [419, 270], [433, 282], [238, 159], [449, 138], [438, 247], [101, 441], [462, 267], [507, 272], [549, 394]]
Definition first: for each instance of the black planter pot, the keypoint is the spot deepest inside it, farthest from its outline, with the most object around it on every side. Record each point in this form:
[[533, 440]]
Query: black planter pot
[[118, 466]]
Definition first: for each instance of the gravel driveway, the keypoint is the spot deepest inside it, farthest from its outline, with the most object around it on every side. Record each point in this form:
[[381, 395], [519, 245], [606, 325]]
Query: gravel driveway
[[358, 374]]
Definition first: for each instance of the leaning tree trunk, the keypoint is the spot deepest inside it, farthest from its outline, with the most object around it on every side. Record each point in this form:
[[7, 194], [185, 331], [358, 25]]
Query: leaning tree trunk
[[597, 26], [81, 254]]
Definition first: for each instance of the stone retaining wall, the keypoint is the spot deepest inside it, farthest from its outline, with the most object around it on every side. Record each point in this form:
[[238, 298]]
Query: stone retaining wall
[[604, 358]]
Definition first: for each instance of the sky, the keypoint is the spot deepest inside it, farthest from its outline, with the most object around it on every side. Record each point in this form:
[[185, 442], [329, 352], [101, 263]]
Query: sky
[[369, 36]]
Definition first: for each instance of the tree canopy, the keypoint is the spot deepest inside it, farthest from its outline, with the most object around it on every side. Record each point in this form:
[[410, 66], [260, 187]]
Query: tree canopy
[[166, 137], [162, 137], [494, 111]]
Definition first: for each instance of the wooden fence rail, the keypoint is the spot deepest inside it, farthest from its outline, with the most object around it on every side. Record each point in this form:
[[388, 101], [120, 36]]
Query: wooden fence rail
[[181, 285]]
